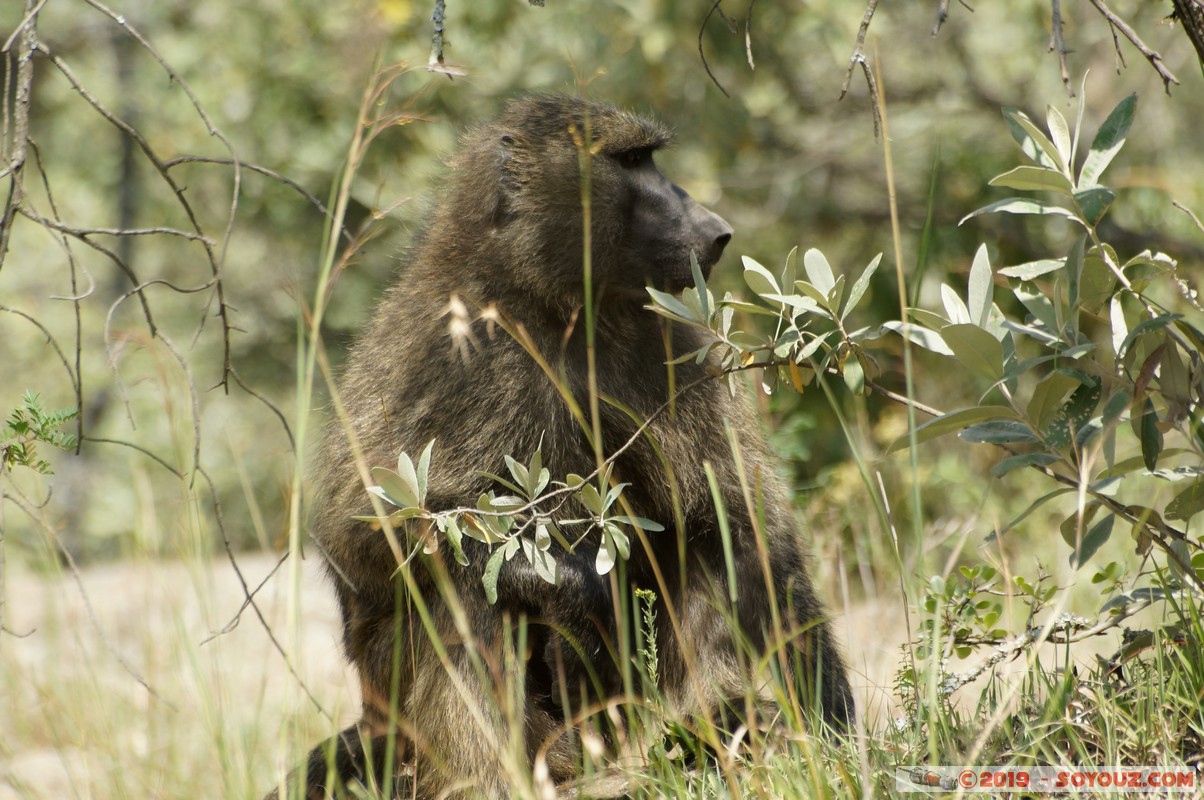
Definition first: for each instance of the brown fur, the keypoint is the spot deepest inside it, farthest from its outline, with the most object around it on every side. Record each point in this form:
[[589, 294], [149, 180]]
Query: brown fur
[[507, 234]]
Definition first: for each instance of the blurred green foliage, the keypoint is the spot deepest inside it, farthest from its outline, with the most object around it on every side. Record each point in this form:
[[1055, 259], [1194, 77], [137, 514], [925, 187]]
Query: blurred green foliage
[[782, 158]]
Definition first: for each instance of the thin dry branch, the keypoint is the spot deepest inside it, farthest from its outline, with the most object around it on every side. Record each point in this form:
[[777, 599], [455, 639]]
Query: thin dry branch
[[858, 56], [702, 54], [1057, 44], [858, 59], [211, 254], [1152, 56], [16, 146], [269, 173]]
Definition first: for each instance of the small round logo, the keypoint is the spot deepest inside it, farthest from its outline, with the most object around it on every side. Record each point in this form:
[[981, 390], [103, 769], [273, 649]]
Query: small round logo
[[967, 779]]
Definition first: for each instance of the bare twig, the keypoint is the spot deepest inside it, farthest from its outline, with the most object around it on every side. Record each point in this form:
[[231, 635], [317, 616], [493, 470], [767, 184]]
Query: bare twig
[[1189, 213], [49, 338], [701, 54], [858, 56], [216, 259], [1058, 44], [211, 255], [75, 298], [858, 59], [1153, 57], [270, 173], [942, 14]]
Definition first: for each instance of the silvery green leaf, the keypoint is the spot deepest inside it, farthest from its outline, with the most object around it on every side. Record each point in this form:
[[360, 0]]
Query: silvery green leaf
[[759, 279], [394, 488], [819, 271], [1108, 141]]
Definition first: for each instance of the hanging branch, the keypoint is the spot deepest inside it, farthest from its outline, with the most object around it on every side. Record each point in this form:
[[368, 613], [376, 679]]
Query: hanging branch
[[858, 58], [1152, 56], [1057, 44], [701, 54]]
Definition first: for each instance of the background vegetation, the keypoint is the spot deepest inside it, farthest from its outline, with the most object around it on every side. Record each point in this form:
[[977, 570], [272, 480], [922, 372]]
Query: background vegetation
[[194, 413]]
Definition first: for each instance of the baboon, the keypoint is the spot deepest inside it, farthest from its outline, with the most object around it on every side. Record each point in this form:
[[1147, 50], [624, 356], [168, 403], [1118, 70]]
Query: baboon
[[505, 244]]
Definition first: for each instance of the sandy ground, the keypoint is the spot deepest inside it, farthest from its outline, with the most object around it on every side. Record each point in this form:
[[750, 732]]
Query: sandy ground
[[75, 722]]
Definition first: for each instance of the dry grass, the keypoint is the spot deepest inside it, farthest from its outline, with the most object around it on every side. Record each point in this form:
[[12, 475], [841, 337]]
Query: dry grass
[[75, 723]]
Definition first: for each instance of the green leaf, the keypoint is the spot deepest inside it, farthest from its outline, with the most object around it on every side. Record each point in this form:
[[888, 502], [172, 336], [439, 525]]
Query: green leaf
[[454, 536], [977, 350], [622, 543], [1156, 324], [1033, 269], [493, 569], [504, 482], [955, 307], [814, 294], [1151, 437], [928, 319], [1094, 203], [669, 306], [424, 468], [1038, 304], [1187, 503], [541, 560], [808, 350], [819, 272], [607, 554], [1034, 179], [1073, 416], [749, 308], [854, 376], [1003, 431], [1025, 460], [860, 286], [928, 339], [790, 269], [700, 286], [1040, 501], [591, 499], [1092, 538], [1032, 140], [1108, 141], [952, 422], [980, 294], [1096, 283], [759, 279], [639, 522], [1059, 132], [521, 476], [1047, 398], [394, 488], [835, 294], [1120, 327], [1021, 205], [406, 471]]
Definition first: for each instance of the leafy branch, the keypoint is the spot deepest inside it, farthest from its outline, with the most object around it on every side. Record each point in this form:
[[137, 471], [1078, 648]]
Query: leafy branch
[[1095, 413], [29, 425]]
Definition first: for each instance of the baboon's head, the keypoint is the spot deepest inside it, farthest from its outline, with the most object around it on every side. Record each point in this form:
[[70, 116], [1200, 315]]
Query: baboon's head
[[521, 177]]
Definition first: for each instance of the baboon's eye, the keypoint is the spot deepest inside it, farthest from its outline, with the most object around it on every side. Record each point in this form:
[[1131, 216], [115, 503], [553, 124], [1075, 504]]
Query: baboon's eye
[[635, 158]]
